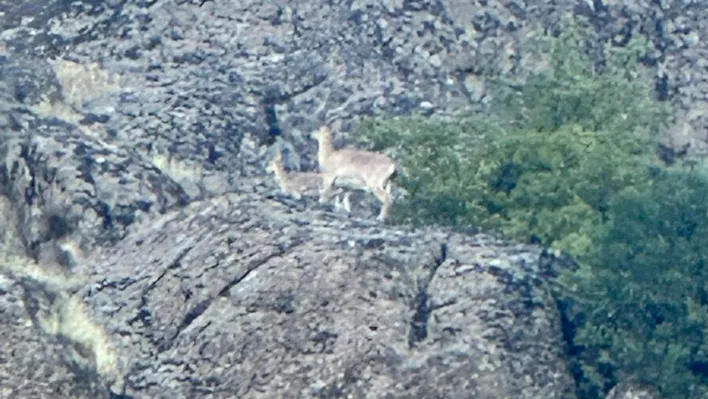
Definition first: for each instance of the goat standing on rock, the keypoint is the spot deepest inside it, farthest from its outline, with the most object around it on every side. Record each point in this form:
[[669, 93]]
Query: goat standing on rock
[[375, 170], [297, 184]]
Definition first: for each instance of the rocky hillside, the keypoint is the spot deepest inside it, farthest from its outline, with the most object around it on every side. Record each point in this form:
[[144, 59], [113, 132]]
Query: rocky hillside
[[145, 254], [241, 297]]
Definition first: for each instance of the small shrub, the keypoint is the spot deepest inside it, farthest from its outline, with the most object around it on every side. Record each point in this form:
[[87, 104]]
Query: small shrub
[[435, 159]]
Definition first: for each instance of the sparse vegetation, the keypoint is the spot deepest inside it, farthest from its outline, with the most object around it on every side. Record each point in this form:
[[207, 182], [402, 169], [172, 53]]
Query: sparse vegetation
[[568, 159], [79, 84], [64, 315]]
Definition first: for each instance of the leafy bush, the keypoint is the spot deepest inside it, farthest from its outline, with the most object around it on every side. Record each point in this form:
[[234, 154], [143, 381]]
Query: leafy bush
[[435, 159], [644, 295], [545, 164], [553, 186]]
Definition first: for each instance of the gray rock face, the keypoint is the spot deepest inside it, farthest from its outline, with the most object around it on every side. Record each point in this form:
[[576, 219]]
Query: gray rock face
[[235, 297], [632, 391], [128, 269], [238, 296], [212, 73], [678, 32]]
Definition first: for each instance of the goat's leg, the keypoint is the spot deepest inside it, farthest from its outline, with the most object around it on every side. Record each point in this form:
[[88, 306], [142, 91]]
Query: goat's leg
[[327, 183], [295, 194], [347, 201], [385, 197]]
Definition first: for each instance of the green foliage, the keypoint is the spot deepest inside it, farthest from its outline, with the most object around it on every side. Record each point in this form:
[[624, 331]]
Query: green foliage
[[644, 295], [546, 163], [554, 186], [434, 165]]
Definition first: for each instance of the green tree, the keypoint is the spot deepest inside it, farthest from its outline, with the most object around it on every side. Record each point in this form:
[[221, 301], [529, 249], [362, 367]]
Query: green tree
[[435, 159], [644, 294], [555, 186]]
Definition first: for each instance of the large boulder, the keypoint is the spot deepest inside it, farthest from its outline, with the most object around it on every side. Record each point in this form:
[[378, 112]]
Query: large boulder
[[238, 296]]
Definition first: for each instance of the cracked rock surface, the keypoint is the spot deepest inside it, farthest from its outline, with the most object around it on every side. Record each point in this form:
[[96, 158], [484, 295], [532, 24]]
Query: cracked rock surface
[[249, 298]]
